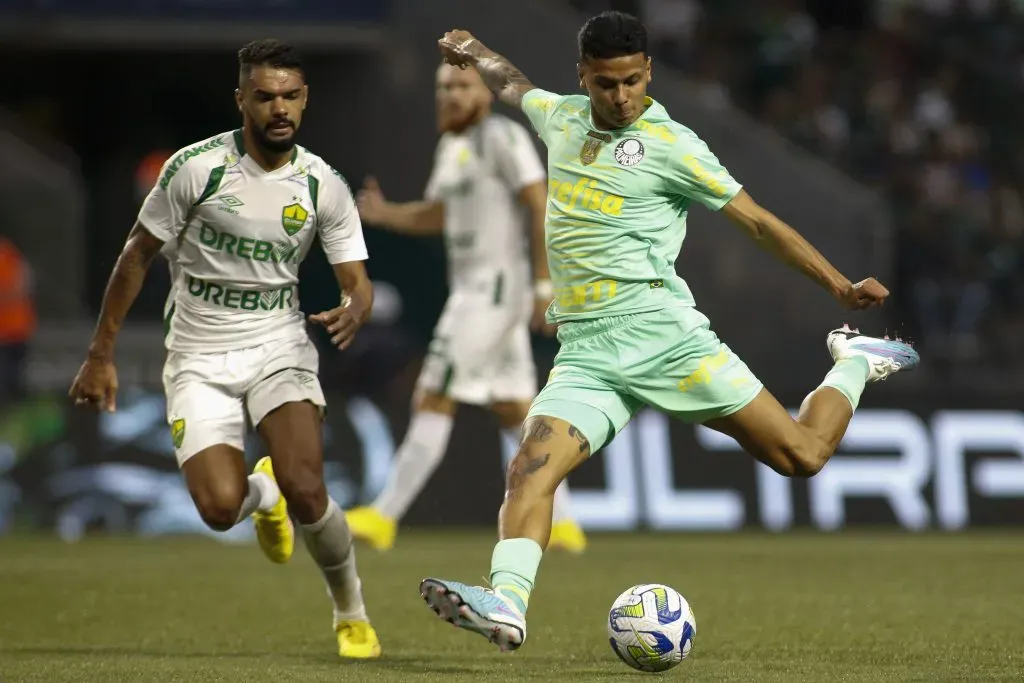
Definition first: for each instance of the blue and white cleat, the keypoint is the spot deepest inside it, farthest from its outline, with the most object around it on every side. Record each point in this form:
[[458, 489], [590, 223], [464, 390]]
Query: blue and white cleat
[[885, 356], [476, 609]]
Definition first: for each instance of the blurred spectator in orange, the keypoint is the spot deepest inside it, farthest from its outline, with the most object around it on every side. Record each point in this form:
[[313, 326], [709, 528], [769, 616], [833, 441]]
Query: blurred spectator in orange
[[17, 320]]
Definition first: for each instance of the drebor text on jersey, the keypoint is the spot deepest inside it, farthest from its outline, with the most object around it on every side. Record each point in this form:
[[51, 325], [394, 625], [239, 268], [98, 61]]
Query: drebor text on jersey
[[248, 248], [242, 299]]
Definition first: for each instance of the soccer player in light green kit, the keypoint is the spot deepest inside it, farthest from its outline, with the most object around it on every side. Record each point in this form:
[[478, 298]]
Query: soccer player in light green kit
[[622, 177]]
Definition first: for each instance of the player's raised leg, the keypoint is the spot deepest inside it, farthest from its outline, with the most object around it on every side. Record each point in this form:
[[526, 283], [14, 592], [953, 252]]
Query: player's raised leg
[[419, 455], [566, 533], [801, 447], [292, 433]]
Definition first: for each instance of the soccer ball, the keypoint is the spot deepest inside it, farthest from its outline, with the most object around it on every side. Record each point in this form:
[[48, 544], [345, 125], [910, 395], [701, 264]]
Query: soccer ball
[[651, 627]]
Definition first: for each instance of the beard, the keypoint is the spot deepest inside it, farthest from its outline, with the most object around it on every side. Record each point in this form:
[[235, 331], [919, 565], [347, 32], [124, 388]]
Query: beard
[[276, 145], [458, 120]]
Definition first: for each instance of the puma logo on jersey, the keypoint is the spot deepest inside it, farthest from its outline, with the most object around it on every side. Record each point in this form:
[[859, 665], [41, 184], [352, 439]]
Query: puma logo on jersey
[[584, 196], [704, 176], [248, 248], [654, 130]]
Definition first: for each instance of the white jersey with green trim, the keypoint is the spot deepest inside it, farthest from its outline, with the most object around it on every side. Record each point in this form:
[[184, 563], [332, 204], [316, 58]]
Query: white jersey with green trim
[[237, 235], [478, 175]]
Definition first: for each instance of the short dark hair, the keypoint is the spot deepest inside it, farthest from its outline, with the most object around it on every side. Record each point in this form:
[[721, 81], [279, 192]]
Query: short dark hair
[[612, 34], [268, 52]]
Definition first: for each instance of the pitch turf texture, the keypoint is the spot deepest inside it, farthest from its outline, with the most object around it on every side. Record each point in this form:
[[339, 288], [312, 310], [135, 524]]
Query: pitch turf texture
[[805, 607]]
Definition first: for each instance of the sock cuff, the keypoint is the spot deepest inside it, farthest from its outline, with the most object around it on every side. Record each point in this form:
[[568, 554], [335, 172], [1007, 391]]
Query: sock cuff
[[848, 378], [520, 556], [332, 509]]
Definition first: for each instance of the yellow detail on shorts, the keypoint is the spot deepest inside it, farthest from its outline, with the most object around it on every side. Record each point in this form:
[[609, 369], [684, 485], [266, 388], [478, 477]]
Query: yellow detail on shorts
[[575, 296], [178, 432], [702, 375]]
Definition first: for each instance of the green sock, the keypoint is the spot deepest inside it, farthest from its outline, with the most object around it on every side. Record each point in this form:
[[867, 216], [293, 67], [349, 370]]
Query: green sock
[[848, 377], [514, 569]]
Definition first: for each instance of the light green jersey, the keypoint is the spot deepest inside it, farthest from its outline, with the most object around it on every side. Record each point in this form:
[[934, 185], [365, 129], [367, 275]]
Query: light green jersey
[[617, 206]]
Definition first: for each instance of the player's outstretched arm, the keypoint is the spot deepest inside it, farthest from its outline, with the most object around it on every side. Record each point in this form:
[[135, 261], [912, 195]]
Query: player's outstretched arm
[[96, 382], [343, 322], [787, 244], [508, 83], [412, 218]]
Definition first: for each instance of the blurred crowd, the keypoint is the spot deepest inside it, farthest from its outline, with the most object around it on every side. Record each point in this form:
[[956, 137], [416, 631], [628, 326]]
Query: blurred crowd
[[921, 100]]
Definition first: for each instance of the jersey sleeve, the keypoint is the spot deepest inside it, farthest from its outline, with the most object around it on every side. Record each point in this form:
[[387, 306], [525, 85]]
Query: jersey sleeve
[[165, 211], [696, 173], [338, 224], [539, 107], [515, 156]]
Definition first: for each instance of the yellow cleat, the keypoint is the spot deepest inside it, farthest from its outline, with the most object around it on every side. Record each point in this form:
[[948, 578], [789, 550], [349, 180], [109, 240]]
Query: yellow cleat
[[367, 524], [567, 535], [274, 529], [357, 640]]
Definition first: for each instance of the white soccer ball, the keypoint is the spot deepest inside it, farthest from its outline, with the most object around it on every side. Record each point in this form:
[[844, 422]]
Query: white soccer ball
[[651, 627]]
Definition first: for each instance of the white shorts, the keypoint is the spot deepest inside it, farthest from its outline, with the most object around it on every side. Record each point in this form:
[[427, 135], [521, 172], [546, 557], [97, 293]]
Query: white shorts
[[212, 398], [481, 351]]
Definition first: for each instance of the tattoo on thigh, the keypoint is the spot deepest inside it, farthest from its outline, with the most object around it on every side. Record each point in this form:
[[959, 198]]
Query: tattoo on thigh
[[578, 435], [522, 467], [538, 429]]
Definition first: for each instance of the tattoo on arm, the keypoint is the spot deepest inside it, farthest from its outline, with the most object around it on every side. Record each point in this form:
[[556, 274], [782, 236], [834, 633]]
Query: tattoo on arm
[[522, 467], [501, 76], [538, 429], [582, 440]]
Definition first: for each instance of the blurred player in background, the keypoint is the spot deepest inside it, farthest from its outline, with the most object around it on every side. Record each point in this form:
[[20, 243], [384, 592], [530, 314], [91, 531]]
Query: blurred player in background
[[235, 215], [487, 195], [623, 176]]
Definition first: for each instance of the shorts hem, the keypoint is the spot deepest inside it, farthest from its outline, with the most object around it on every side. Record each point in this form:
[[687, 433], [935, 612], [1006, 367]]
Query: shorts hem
[[736, 407], [184, 456], [553, 408]]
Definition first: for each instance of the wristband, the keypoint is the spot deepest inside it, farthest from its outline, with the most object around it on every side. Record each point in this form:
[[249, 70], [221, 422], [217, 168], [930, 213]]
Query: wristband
[[544, 289]]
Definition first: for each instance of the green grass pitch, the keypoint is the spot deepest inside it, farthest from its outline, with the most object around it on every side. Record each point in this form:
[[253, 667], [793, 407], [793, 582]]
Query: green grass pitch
[[798, 607]]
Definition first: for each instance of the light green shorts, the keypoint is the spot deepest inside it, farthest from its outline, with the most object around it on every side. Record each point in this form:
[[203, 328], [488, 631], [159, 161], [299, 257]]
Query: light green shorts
[[607, 369]]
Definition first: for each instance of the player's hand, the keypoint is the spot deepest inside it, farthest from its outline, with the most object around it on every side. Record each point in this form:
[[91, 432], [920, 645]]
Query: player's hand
[[370, 201], [95, 384], [538, 322], [459, 47], [341, 323], [865, 294]]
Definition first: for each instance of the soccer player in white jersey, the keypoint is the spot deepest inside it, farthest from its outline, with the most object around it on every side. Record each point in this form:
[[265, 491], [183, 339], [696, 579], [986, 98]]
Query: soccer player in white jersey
[[487, 195], [236, 214]]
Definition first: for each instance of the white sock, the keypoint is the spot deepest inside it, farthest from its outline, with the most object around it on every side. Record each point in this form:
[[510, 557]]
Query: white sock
[[509, 446], [419, 455], [329, 541], [262, 495]]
